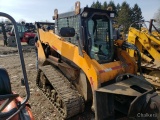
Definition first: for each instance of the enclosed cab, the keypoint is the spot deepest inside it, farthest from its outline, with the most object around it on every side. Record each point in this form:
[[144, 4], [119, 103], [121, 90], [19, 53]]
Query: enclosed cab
[[94, 29]]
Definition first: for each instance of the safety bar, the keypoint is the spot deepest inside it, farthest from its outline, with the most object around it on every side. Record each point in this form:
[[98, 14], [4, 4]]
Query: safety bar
[[19, 47]]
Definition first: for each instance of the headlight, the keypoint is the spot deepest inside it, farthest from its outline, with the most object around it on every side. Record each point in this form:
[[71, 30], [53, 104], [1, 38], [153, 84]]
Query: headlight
[[112, 15], [84, 14]]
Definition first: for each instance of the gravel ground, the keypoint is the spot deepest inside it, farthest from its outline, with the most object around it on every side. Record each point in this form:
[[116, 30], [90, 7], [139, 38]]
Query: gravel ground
[[40, 106], [9, 59]]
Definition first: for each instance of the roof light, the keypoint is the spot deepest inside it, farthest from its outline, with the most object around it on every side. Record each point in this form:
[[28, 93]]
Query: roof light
[[85, 14], [112, 15]]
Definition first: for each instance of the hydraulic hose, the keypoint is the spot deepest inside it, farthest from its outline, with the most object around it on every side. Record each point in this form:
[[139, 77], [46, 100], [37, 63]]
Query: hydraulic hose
[[133, 47]]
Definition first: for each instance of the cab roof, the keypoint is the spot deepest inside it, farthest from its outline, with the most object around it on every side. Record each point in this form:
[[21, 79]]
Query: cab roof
[[85, 9]]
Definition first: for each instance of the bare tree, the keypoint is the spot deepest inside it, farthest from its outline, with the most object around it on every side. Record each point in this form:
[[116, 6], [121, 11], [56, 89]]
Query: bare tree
[[157, 17]]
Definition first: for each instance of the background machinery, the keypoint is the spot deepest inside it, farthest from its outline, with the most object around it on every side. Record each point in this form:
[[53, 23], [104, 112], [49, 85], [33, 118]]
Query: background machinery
[[80, 63], [2, 25], [26, 33], [154, 30], [148, 42], [12, 106]]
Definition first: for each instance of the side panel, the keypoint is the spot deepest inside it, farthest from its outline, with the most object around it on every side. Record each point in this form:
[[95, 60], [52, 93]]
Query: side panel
[[132, 40], [41, 54], [83, 86], [95, 72], [70, 52], [104, 106]]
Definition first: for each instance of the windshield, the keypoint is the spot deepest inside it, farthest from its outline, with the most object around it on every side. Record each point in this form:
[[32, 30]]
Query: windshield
[[100, 38], [21, 29]]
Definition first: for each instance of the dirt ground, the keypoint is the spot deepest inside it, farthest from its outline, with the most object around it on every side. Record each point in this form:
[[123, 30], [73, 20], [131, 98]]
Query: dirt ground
[[9, 59], [40, 106]]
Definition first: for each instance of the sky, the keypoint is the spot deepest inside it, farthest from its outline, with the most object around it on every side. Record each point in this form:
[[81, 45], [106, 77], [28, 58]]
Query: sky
[[42, 10]]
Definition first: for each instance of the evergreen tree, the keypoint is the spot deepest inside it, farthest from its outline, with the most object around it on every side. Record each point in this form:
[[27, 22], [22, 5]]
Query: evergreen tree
[[104, 6], [136, 16], [124, 16], [93, 5], [111, 4], [118, 7], [96, 5]]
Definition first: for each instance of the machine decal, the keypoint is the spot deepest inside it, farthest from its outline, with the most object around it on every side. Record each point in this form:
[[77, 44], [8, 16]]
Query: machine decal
[[110, 69], [114, 68], [54, 48]]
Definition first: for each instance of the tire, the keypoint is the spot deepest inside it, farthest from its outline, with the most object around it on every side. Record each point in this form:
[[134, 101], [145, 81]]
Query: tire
[[5, 85], [31, 42], [11, 41]]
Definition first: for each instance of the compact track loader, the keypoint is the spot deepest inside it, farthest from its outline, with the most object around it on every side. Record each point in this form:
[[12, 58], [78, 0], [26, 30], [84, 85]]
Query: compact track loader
[[148, 43], [12, 106], [79, 62]]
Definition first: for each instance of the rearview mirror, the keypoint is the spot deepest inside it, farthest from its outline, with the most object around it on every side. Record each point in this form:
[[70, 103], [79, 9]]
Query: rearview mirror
[[67, 32]]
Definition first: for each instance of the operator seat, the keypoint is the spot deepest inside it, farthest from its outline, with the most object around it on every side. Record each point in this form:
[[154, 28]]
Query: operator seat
[[5, 86]]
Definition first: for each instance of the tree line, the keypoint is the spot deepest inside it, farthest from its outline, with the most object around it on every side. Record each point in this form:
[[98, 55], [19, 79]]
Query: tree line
[[125, 15]]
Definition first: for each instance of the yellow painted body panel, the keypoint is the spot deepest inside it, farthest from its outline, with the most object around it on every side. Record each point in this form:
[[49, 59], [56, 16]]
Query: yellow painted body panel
[[41, 55], [143, 41], [106, 72], [153, 39], [132, 40], [145, 57], [156, 34], [70, 52], [110, 75], [95, 72]]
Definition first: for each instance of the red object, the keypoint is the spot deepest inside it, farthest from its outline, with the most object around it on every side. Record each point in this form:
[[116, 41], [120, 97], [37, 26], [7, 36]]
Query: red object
[[13, 104], [25, 35]]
